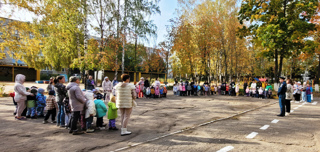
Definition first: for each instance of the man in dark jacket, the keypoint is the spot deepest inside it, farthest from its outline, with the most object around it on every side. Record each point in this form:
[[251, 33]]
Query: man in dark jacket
[[282, 95], [146, 83]]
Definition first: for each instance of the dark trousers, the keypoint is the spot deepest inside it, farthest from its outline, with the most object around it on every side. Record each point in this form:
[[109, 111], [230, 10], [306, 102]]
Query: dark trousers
[[297, 97], [74, 119], [282, 104], [52, 113], [189, 92], [104, 96], [99, 122], [288, 105], [89, 122]]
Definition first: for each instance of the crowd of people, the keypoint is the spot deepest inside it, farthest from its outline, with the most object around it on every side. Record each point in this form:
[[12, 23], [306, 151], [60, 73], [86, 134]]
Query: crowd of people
[[72, 106]]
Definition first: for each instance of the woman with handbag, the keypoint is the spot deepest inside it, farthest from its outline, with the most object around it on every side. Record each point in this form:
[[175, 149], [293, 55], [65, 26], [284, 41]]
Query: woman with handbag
[[126, 96]]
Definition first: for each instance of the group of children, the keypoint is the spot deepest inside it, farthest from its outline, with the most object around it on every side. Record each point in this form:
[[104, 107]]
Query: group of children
[[261, 93], [186, 89], [154, 91], [38, 103]]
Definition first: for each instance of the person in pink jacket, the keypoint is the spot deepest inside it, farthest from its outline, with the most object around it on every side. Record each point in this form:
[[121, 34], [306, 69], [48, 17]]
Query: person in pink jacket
[[20, 95], [183, 89], [180, 88], [157, 92]]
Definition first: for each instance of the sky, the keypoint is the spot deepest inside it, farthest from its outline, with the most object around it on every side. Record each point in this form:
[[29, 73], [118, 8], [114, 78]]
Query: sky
[[167, 8]]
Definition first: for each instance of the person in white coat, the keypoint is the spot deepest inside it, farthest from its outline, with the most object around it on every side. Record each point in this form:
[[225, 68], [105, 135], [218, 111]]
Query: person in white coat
[[289, 96], [20, 95], [90, 111], [107, 88]]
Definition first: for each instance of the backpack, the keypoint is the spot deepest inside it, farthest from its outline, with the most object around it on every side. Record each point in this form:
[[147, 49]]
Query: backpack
[[165, 90]]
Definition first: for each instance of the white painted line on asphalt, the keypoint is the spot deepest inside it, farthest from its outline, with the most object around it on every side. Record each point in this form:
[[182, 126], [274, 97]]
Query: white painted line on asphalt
[[304, 103], [292, 111], [275, 121], [296, 108], [252, 135], [295, 102], [226, 149], [314, 103], [265, 127], [300, 105]]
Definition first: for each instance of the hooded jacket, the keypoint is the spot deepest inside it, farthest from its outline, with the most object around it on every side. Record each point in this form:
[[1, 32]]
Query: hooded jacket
[[107, 86], [91, 107], [61, 92], [125, 95], [76, 97], [20, 91]]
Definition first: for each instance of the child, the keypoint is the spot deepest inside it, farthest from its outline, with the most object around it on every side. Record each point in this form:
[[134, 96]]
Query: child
[[67, 111], [247, 91], [189, 88], [206, 90], [148, 92], [157, 92], [31, 105], [180, 89], [90, 111], [261, 93], [175, 89], [101, 111], [41, 102], [199, 90], [112, 113], [227, 90], [137, 91], [253, 92], [161, 92], [212, 89], [51, 106], [152, 92], [309, 92], [215, 89], [165, 91], [237, 89]]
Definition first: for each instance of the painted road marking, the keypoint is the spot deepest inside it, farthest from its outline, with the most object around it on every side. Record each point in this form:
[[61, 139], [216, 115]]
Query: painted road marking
[[296, 108], [275, 121], [300, 105], [304, 103], [314, 103], [225, 149], [292, 111], [265, 127], [252, 135]]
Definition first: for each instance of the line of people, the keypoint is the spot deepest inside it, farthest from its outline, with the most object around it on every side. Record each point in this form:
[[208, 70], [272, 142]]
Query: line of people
[[74, 105]]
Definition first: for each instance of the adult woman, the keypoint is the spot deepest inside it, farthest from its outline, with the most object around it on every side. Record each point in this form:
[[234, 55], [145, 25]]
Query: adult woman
[[107, 88], [20, 95], [304, 94], [157, 82], [125, 98], [50, 87], [77, 103], [297, 91], [61, 93], [289, 96]]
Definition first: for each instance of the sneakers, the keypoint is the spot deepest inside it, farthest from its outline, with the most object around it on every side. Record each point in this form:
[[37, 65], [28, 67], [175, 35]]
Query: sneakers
[[45, 121], [124, 132], [90, 130], [287, 113]]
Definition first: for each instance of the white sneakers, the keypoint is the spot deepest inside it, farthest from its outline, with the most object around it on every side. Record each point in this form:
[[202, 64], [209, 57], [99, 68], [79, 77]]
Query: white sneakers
[[287, 113], [125, 132]]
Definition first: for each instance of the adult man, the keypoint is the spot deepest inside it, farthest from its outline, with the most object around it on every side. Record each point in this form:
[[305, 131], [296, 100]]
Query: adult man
[[90, 83], [282, 95], [146, 83], [107, 88]]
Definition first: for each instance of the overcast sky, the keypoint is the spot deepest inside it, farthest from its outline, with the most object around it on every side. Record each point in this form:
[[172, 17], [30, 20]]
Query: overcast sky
[[167, 8]]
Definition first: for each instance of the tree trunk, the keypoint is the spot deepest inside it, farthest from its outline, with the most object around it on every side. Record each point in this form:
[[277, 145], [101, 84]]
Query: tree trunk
[[276, 66], [135, 56], [118, 36], [280, 64]]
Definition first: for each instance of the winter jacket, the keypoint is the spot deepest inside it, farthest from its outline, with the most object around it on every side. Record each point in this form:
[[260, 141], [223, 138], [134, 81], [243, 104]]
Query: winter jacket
[[206, 88], [100, 108], [157, 83], [180, 87], [175, 89], [51, 103], [268, 87], [50, 87], [309, 90], [20, 91], [90, 84], [61, 92], [289, 92], [157, 91], [189, 88], [125, 95], [247, 90], [165, 90], [237, 88], [152, 91], [260, 91], [212, 88], [31, 101], [183, 88], [112, 112], [282, 89], [161, 91], [41, 100], [253, 85], [141, 85], [107, 86], [76, 97], [90, 106], [148, 91]]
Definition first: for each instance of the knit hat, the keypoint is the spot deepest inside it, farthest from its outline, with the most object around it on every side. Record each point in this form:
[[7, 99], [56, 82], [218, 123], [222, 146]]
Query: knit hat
[[51, 92], [99, 96], [40, 90], [34, 91]]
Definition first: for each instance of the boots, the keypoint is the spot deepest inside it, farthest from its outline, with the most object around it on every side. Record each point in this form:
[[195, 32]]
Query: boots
[[124, 132]]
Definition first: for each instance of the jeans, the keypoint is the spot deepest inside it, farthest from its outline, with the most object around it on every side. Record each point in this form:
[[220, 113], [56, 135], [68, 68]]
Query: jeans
[[31, 111], [40, 111], [61, 116], [309, 98], [67, 119], [112, 123], [89, 122], [304, 96], [74, 119], [52, 113], [282, 104]]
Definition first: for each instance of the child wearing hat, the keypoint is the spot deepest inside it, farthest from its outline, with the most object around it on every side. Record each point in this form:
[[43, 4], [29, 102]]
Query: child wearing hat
[[101, 111], [51, 106], [31, 104], [41, 102], [112, 113]]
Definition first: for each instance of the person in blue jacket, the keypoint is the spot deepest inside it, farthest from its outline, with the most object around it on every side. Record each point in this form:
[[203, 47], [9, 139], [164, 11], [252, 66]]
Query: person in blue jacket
[[282, 95]]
